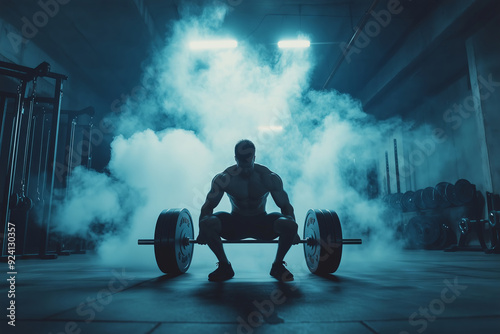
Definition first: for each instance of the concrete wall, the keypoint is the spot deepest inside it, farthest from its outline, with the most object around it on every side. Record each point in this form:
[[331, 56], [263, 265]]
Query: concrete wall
[[484, 67], [446, 150], [462, 123]]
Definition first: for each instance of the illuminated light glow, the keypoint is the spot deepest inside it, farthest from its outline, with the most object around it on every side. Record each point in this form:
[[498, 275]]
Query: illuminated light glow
[[294, 43], [213, 44], [274, 128]]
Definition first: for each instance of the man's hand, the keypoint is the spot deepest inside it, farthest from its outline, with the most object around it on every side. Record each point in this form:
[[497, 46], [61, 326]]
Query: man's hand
[[296, 240], [202, 240]]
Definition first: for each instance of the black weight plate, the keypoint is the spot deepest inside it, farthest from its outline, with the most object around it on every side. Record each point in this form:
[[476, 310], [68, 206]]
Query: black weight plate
[[312, 250], [444, 237], [395, 201], [417, 198], [464, 192], [160, 242], [172, 254], [451, 195], [412, 235], [441, 194], [430, 198], [407, 201], [422, 232], [324, 255], [494, 218], [330, 261], [431, 231], [386, 198]]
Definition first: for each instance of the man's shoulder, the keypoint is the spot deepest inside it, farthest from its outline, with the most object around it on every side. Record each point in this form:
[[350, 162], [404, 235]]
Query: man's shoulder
[[231, 170], [222, 178], [270, 178], [261, 169], [226, 174]]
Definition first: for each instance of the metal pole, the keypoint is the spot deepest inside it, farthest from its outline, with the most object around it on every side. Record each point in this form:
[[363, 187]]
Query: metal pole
[[7, 188], [398, 185], [28, 173], [72, 128], [39, 174], [17, 134], [13, 152], [387, 172], [89, 155], [56, 117], [3, 104], [27, 144]]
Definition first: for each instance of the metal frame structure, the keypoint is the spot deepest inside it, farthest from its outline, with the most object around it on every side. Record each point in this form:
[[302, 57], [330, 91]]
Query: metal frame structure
[[26, 75]]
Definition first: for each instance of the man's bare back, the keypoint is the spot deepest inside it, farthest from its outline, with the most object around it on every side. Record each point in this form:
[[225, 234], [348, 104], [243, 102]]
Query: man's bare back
[[248, 193]]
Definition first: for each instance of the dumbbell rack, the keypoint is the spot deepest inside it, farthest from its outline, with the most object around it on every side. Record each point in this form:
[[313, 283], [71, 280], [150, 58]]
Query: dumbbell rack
[[448, 217]]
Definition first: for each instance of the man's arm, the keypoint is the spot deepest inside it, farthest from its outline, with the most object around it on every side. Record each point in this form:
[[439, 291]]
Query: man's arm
[[280, 196], [214, 195]]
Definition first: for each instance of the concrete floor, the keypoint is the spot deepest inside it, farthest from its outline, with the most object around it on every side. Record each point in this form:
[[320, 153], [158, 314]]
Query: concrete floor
[[414, 292]]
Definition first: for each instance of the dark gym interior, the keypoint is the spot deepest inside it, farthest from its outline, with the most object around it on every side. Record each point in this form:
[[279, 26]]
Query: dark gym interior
[[381, 118]]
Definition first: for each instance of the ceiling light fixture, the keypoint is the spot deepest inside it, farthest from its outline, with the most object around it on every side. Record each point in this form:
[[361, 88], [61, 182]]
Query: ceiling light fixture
[[213, 44], [294, 43]]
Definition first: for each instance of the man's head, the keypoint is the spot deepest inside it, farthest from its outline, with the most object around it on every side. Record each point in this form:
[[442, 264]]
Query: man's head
[[244, 154]]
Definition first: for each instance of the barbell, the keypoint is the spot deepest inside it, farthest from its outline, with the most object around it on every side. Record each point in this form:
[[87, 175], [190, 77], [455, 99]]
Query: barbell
[[174, 241]]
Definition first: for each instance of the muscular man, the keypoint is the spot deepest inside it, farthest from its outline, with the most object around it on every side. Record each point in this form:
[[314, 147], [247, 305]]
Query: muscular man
[[247, 185]]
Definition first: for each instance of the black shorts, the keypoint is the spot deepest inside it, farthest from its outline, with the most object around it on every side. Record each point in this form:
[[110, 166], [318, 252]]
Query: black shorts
[[236, 226]]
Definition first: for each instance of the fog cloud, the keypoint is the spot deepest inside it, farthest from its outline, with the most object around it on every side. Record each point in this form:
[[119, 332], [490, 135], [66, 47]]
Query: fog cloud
[[196, 106]]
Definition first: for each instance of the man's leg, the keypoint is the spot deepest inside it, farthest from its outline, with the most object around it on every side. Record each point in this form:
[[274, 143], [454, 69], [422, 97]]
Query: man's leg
[[210, 229], [287, 230]]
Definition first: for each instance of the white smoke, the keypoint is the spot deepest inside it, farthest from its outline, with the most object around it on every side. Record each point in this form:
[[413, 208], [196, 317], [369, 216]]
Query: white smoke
[[197, 106]]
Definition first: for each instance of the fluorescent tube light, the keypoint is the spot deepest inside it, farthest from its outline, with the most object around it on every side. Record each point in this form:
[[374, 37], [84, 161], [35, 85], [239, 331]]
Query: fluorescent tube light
[[213, 44], [294, 43]]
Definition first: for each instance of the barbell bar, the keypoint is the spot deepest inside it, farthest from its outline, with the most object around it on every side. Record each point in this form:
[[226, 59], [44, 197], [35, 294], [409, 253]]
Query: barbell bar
[[309, 241], [174, 240]]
